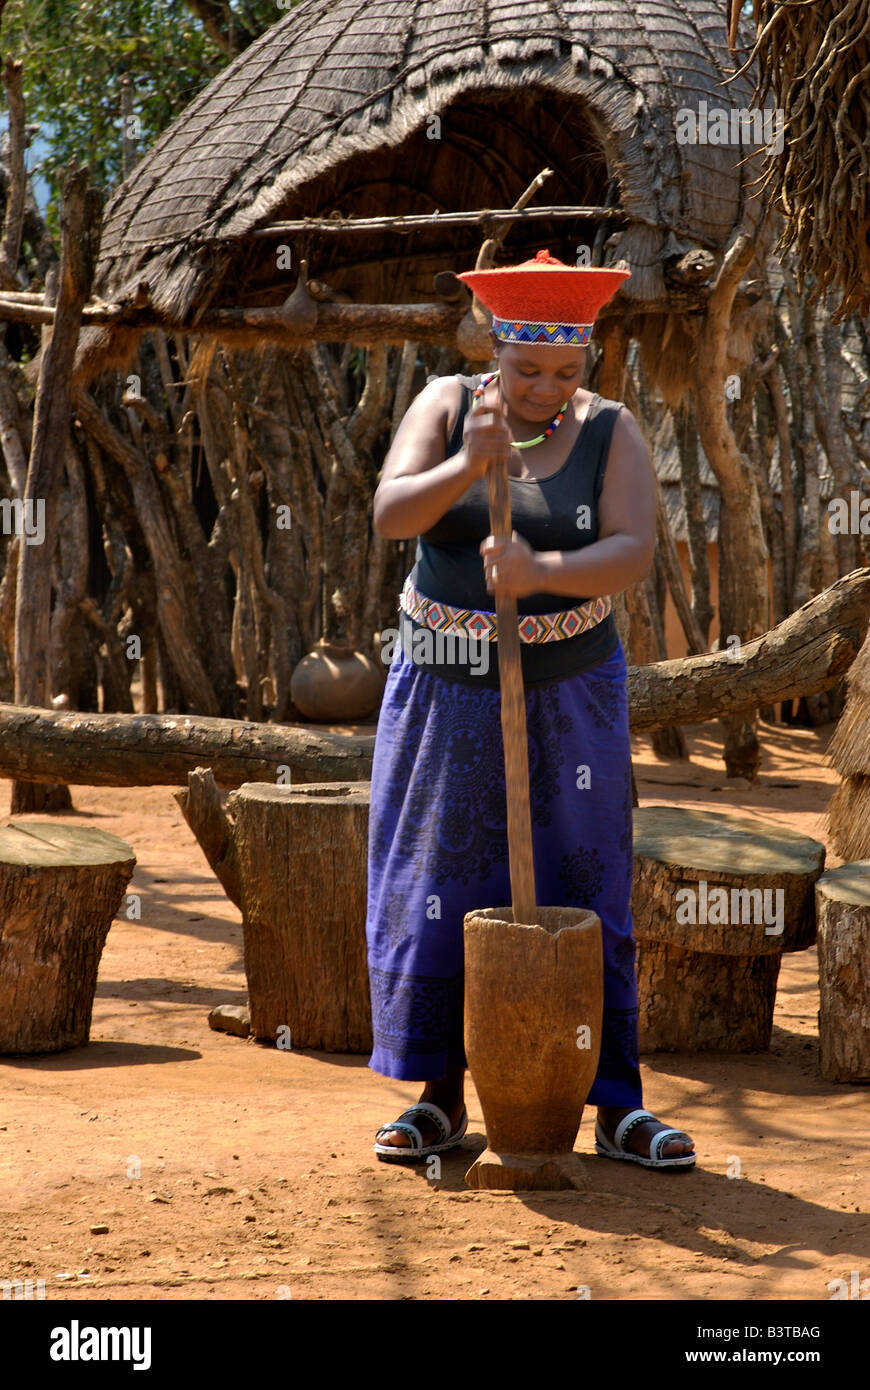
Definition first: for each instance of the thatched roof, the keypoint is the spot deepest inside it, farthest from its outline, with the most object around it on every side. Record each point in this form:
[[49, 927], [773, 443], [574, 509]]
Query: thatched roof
[[332, 109], [848, 812], [849, 749]]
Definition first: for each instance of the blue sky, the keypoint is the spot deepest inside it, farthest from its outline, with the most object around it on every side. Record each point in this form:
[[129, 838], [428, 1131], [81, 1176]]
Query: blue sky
[[36, 151]]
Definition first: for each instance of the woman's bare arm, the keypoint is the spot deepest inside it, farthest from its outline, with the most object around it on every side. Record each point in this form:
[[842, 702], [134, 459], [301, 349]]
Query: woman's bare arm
[[418, 485]]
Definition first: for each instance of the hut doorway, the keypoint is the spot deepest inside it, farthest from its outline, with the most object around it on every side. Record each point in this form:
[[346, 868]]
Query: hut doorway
[[480, 151]]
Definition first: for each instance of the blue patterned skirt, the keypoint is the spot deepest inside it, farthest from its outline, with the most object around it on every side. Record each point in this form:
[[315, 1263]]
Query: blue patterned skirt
[[438, 849]]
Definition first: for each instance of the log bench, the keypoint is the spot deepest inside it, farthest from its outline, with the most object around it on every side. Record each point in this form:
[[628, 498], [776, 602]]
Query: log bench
[[708, 961], [300, 857], [843, 910], [60, 887]]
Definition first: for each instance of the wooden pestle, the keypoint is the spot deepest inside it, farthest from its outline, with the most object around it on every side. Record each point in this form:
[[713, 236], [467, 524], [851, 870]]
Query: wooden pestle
[[513, 716]]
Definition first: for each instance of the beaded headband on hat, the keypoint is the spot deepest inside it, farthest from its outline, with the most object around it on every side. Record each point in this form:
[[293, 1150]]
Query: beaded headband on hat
[[544, 300]]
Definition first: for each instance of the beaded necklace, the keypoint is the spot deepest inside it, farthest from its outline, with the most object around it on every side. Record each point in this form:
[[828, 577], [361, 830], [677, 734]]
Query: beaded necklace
[[525, 443]]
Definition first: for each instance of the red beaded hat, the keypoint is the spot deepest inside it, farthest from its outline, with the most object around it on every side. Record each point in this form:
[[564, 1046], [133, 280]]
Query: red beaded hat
[[544, 300]]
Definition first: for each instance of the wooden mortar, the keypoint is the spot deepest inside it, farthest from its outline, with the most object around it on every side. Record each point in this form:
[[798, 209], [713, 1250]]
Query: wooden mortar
[[533, 1011]]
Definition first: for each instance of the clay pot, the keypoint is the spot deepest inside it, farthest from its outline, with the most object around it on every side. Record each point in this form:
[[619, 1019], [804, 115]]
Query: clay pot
[[336, 683], [530, 994], [472, 336]]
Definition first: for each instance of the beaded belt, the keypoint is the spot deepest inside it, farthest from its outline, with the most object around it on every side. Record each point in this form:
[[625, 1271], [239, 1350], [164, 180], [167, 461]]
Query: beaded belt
[[471, 622]]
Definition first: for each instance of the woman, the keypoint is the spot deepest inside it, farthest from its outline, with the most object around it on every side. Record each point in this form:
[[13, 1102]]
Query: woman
[[583, 512]]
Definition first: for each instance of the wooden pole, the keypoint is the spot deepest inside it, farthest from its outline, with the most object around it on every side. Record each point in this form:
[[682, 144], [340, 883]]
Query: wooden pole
[[513, 715], [336, 322], [44, 472], [13, 220], [743, 555], [81, 216], [419, 221]]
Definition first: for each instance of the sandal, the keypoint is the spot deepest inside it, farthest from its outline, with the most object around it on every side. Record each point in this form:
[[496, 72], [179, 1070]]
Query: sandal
[[617, 1149], [416, 1150]]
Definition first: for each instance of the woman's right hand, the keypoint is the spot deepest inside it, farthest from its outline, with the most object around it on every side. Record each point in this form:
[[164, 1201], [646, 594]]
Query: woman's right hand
[[486, 441]]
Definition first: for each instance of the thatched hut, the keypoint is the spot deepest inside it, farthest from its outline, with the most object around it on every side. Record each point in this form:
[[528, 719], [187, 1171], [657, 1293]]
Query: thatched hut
[[326, 184], [345, 112]]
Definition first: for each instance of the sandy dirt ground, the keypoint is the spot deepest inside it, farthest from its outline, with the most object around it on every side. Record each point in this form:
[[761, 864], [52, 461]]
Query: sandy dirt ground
[[226, 1169]]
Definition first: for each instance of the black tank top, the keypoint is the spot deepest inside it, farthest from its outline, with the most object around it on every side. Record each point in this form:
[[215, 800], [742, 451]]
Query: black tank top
[[549, 513]]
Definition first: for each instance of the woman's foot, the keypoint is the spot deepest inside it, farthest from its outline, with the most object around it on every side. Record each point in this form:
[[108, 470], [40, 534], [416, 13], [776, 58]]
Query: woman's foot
[[642, 1135], [448, 1094]]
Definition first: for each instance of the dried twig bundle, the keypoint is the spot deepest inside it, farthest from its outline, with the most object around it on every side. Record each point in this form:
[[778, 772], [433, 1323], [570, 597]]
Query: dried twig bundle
[[816, 57]]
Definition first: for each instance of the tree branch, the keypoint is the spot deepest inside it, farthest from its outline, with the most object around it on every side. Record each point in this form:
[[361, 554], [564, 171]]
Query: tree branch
[[807, 653], [13, 222], [213, 14]]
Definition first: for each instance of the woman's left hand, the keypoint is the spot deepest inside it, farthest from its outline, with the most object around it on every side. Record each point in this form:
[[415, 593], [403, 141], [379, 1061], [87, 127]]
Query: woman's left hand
[[516, 566]]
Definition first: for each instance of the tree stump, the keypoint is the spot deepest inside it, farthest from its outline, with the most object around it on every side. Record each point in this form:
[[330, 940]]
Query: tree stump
[[301, 858], [60, 887], [709, 941], [843, 903], [533, 1010]]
